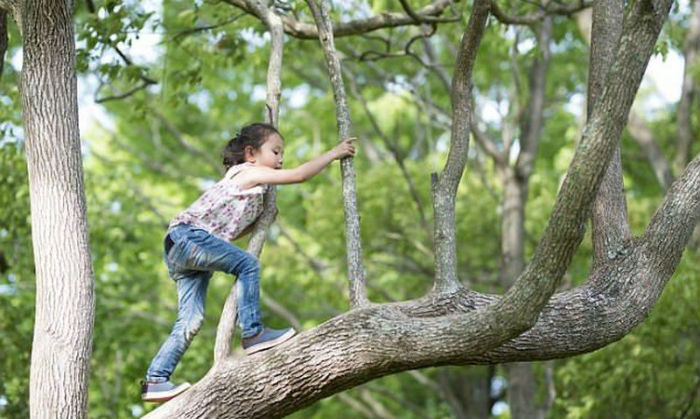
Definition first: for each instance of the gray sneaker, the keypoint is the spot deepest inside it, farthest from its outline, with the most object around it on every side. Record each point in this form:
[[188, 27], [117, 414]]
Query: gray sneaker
[[161, 392], [266, 339]]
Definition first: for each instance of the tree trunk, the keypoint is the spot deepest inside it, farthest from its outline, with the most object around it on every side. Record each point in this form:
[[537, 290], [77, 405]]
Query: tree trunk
[[610, 228], [64, 279], [353, 243]]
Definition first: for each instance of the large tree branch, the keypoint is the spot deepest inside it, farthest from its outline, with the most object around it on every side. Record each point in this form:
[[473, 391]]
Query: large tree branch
[[305, 30], [673, 223], [356, 270], [610, 228], [445, 185]]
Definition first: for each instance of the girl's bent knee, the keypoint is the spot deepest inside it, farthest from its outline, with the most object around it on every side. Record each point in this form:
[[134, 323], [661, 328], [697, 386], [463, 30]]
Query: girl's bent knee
[[249, 265]]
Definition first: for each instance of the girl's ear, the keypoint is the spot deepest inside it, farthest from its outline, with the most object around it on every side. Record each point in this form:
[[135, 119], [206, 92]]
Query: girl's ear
[[248, 154]]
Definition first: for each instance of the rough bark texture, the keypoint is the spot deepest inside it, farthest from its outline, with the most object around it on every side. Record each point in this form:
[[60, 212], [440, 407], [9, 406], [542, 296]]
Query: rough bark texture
[[356, 270], [227, 322], [63, 324], [445, 185], [610, 228], [465, 327]]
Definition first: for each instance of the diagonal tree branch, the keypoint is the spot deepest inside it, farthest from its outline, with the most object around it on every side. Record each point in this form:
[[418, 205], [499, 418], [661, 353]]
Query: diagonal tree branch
[[672, 225], [444, 186], [356, 270]]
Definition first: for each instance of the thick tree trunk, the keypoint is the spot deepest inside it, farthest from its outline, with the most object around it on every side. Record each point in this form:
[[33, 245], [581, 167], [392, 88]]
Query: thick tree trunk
[[64, 279]]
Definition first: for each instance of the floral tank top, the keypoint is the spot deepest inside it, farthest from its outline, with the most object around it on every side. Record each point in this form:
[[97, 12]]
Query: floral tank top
[[225, 210]]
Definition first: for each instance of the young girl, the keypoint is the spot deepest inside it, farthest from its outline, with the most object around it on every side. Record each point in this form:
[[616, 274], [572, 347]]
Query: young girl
[[198, 243]]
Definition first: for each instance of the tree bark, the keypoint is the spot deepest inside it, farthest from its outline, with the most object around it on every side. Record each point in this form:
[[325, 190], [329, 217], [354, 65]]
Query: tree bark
[[610, 228], [62, 344], [356, 270], [444, 186]]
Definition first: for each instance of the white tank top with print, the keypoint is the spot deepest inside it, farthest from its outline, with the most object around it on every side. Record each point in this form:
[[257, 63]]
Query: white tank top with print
[[225, 210]]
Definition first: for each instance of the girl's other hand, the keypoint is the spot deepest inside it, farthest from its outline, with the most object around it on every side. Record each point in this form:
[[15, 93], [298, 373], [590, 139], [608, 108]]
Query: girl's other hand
[[345, 149]]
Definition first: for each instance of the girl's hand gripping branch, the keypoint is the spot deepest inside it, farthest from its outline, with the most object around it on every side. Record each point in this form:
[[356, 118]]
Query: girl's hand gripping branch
[[345, 149], [267, 163]]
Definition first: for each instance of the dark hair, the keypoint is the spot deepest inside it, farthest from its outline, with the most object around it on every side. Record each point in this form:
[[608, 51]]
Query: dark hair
[[253, 135]]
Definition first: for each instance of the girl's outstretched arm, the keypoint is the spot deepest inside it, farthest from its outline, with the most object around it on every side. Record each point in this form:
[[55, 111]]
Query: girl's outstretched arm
[[263, 175]]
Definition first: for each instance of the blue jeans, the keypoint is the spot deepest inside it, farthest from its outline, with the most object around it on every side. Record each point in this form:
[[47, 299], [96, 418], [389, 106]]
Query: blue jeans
[[193, 256]]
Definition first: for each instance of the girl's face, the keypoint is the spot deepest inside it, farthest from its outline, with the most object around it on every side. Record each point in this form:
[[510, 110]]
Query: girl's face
[[270, 153]]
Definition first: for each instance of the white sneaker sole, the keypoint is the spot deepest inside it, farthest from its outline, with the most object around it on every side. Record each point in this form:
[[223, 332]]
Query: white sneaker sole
[[270, 343], [164, 396]]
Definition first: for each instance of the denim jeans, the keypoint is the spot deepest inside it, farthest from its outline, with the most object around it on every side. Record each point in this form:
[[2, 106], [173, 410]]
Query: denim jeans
[[193, 256]]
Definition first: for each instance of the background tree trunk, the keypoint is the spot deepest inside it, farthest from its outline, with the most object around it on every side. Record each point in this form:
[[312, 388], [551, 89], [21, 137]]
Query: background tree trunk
[[64, 279]]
